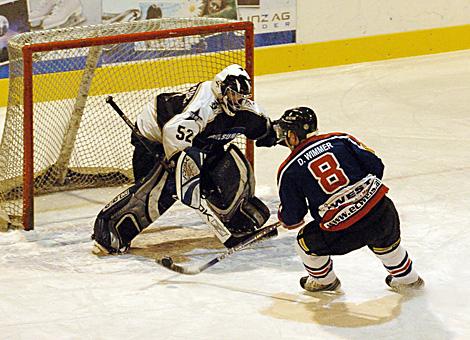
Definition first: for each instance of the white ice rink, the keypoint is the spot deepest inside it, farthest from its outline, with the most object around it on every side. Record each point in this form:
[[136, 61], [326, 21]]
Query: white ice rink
[[414, 112]]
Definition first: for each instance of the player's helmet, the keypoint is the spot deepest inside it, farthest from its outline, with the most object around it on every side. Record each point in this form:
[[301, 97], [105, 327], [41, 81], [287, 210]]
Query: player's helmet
[[301, 120], [232, 87]]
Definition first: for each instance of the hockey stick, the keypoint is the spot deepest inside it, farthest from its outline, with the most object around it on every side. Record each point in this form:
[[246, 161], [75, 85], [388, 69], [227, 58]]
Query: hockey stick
[[121, 114], [167, 262], [134, 129]]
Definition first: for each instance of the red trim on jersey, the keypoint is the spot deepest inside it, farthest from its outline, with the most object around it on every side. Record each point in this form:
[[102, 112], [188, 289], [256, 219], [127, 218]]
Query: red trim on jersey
[[357, 216], [293, 226]]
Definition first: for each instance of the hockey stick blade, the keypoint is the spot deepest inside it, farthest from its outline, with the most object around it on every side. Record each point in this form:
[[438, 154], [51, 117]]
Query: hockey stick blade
[[168, 263]]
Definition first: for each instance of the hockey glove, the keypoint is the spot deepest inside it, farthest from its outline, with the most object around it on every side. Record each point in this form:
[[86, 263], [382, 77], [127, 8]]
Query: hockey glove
[[273, 136]]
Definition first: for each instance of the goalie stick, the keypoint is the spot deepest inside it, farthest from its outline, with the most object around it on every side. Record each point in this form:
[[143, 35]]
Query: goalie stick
[[168, 263], [121, 114], [134, 129]]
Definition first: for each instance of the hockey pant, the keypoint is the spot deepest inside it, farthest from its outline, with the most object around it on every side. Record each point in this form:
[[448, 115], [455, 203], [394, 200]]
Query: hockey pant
[[379, 230]]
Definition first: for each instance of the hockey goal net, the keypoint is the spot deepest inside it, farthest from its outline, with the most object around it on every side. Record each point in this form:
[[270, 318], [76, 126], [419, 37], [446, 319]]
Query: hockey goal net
[[59, 133]]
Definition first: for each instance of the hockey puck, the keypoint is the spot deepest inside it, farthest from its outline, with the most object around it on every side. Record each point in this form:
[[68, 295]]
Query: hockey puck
[[166, 261]]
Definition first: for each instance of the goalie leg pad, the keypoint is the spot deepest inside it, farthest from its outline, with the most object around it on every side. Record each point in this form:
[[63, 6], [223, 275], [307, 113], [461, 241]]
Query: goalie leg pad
[[236, 206], [251, 215], [188, 170], [132, 211]]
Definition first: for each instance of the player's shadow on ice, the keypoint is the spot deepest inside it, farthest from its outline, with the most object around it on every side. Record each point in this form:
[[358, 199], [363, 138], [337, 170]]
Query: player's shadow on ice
[[344, 318], [341, 316]]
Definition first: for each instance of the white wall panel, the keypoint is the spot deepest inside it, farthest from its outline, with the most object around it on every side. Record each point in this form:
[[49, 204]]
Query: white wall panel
[[325, 20]]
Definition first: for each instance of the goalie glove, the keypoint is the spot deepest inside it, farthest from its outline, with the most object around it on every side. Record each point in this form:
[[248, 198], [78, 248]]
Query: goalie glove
[[273, 136]]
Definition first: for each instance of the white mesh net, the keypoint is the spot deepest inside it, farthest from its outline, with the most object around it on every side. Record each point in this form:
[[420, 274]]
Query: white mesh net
[[79, 141]]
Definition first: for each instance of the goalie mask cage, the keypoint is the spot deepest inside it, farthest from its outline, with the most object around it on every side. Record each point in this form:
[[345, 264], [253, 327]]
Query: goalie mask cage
[[61, 135]]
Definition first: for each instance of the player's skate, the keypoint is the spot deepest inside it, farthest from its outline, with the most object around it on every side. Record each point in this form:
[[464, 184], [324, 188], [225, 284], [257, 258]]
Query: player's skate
[[403, 287], [310, 284], [64, 14], [40, 12]]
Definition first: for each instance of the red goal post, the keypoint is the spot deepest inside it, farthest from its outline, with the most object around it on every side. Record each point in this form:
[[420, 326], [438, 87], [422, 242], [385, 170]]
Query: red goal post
[[58, 82]]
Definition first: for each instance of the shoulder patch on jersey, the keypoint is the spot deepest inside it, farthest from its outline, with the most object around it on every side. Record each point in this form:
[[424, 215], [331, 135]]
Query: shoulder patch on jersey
[[194, 115], [190, 94]]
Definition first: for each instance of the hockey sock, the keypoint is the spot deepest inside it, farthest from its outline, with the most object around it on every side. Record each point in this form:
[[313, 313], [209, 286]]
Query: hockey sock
[[397, 262], [319, 268]]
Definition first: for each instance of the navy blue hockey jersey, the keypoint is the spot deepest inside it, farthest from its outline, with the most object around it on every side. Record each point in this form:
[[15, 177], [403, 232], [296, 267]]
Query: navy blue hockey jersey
[[334, 176]]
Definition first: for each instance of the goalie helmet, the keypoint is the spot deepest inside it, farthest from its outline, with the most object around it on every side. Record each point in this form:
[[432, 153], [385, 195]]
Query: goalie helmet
[[301, 120], [232, 87]]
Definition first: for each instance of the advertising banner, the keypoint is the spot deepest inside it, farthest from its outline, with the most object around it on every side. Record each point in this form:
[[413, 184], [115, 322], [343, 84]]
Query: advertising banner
[[35, 15], [274, 20], [127, 10], [13, 20], [50, 14]]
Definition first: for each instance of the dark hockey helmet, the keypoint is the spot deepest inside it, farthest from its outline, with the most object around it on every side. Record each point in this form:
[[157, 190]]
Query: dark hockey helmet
[[301, 120], [232, 86]]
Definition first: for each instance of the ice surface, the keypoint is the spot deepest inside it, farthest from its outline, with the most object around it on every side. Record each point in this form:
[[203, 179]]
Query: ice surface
[[414, 112]]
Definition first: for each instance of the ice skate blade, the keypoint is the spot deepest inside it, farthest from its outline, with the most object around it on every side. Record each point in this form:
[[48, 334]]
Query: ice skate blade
[[324, 293]]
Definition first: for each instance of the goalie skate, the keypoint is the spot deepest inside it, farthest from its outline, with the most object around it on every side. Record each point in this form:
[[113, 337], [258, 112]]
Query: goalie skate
[[99, 250], [40, 11]]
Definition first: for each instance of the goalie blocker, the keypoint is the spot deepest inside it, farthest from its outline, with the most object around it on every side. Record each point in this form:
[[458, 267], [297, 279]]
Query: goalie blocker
[[221, 189]]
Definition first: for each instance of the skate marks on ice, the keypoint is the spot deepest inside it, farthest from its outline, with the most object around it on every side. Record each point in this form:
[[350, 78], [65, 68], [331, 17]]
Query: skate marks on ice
[[341, 316], [318, 308]]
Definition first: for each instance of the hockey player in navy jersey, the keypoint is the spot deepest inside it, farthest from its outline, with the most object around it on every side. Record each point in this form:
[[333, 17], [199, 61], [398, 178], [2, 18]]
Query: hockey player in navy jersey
[[339, 181], [186, 133]]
